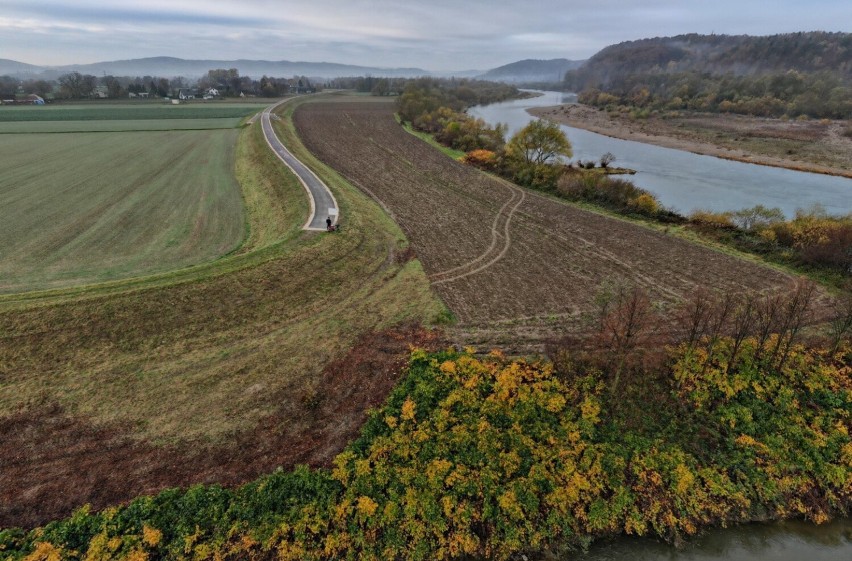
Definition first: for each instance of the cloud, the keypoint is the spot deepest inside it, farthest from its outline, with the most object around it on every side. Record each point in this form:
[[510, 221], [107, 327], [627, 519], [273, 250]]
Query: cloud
[[436, 35]]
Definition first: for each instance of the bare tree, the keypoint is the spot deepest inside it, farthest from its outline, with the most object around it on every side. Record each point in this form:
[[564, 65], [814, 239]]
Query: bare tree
[[841, 323], [742, 325], [625, 321], [795, 314]]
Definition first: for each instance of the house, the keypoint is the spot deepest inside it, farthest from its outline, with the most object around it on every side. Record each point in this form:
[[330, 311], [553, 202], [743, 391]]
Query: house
[[185, 94], [211, 93], [100, 92], [33, 99]]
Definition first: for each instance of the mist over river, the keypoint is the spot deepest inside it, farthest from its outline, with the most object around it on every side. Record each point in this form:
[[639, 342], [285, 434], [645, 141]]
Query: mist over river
[[684, 181]]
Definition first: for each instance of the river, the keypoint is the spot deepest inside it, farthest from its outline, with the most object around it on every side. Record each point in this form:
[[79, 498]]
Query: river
[[684, 181], [777, 541]]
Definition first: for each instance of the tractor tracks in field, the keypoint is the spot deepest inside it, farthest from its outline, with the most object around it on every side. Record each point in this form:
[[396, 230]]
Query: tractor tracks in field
[[502, 220], [495, 251]]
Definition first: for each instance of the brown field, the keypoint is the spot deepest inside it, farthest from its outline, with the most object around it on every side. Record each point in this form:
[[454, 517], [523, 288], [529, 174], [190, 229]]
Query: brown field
[[511, 264]]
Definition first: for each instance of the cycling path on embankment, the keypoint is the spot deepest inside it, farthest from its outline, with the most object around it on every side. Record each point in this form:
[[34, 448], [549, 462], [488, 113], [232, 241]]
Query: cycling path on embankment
[[323, 203]]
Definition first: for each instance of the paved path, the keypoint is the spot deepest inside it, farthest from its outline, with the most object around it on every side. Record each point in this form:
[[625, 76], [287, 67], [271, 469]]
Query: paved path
[[323, 203]]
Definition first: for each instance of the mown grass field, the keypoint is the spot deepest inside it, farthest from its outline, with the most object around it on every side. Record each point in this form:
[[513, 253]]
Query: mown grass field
[[117, 125], [150, 189], [128, 111], [217, 372], [82, 208]]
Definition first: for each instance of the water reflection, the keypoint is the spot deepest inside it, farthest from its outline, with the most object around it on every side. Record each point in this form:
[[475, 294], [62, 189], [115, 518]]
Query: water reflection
[[778, 541], [686, 181]]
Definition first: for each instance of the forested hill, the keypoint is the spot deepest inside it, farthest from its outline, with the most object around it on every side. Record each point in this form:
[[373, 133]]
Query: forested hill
[[794, 74], [739, 55], [531, 70]]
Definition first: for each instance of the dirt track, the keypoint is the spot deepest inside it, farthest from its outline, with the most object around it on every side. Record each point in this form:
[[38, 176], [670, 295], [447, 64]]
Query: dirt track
[[510, 263]]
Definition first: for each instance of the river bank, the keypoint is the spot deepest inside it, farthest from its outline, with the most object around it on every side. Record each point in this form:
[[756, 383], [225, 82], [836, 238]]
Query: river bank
[[811, 146]]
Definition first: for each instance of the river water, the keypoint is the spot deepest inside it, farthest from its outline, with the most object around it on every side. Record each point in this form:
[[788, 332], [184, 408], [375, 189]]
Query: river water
[[777, 541], [684, 181]]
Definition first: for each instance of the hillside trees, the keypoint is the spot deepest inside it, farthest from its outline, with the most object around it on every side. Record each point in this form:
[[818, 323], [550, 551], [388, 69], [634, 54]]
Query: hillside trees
[[793, 74]]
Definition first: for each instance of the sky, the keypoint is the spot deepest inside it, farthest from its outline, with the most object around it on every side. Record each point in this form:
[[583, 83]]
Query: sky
[[436, 35]]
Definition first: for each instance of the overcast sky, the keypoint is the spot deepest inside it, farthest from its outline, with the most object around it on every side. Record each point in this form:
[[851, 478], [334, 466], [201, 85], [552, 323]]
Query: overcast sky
[[430, 34]]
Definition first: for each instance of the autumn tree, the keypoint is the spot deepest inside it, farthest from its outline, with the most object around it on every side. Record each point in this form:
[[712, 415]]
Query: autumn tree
[[540, 142], [8, 87]]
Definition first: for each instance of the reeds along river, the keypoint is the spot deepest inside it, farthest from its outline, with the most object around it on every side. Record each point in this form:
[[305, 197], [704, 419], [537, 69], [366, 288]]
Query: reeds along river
[[684, 181]]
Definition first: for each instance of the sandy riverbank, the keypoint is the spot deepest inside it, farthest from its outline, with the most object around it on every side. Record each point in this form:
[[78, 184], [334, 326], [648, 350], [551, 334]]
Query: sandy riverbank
[[814, 146]]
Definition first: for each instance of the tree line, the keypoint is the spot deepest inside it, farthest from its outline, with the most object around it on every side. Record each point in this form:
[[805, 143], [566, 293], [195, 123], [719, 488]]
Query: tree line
[[228, 82]]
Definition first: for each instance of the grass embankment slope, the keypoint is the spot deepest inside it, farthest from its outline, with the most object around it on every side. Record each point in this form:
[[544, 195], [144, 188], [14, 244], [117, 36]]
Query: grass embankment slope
[[207, 373]]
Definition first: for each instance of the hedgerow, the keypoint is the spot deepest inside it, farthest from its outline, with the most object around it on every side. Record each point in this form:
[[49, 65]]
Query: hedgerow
[[485, 457]]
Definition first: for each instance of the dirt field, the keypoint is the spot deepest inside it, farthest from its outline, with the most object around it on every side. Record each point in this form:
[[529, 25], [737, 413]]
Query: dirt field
[[815, 146], [512, 265]]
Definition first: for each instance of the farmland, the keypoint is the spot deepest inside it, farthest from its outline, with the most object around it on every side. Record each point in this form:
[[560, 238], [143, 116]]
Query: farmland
[[510, 264], [129, 190], [217, 372], [128, 111]]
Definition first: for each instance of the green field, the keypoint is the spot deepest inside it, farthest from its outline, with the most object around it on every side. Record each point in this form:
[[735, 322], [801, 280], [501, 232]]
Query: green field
[[82, 208], [117, 125], [127, 190], [128, 111]]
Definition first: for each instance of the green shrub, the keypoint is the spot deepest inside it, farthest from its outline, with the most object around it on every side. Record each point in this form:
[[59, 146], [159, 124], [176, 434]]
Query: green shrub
[[487, 457]]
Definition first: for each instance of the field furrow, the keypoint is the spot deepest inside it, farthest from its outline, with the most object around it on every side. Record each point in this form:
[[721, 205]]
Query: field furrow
[[500, 259]]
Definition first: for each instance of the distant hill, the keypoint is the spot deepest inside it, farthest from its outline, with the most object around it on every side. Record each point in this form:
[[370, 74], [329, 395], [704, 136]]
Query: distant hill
[[739, 55], [170, 66], [531, 70], [15, 68]]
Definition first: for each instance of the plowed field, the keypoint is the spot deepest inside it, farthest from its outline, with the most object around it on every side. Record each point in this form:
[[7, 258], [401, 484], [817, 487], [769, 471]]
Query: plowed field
[[510, 263]]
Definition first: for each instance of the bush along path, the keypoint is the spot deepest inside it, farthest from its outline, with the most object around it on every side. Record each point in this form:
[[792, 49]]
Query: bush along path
[[488, 457], [323, 203]]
